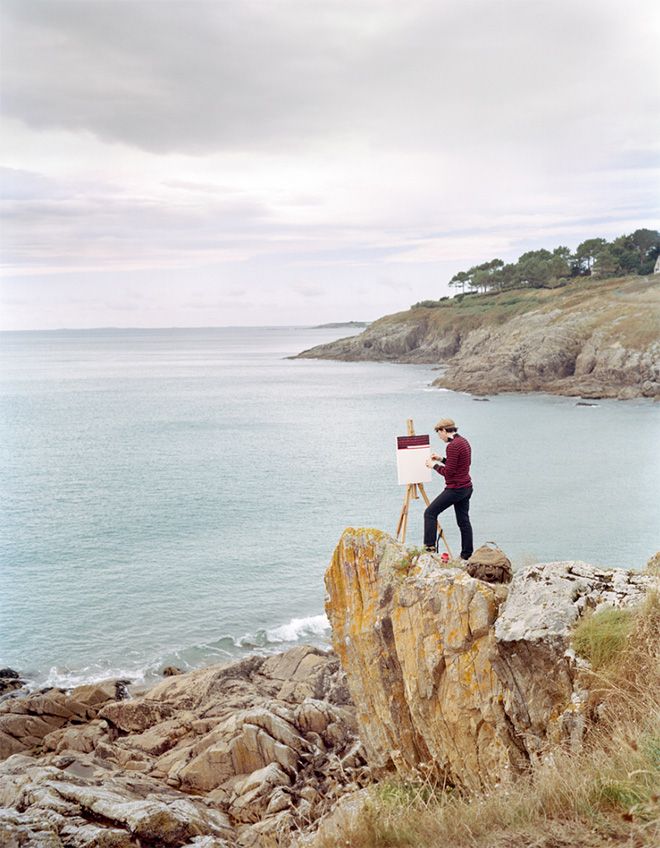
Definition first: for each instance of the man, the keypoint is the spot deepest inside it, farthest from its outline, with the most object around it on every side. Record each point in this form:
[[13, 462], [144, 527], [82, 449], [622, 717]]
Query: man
[[458, 487]]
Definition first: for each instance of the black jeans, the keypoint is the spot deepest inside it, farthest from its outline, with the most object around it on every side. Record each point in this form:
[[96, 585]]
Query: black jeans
[[460, 500]]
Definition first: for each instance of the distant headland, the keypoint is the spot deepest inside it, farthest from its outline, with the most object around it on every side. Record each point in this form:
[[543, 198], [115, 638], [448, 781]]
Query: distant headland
[[338, 324], [583, 324]]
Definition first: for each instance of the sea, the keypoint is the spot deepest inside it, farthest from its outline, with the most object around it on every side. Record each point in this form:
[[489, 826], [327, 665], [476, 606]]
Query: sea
[[174, 496]]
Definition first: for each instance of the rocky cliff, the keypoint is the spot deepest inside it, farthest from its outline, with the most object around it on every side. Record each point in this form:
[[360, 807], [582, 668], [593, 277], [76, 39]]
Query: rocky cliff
[[591, 338], [470, 681]]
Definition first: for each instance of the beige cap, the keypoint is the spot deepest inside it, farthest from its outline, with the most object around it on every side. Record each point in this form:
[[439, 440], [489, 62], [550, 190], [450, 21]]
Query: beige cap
[[444, 424]]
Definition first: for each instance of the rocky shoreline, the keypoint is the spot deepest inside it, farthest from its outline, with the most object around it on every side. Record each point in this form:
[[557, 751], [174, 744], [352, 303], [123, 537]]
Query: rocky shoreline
[[587, 341], [243, 754], [432, 671]]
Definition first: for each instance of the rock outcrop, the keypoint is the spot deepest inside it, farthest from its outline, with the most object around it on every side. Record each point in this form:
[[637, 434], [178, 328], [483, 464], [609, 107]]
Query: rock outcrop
[[235, 755], [588, 339], [470, 680], [435, 671]]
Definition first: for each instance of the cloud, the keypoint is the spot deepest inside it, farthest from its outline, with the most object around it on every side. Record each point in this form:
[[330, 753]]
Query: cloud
[[273, 157], [198, 77], [307, 290]]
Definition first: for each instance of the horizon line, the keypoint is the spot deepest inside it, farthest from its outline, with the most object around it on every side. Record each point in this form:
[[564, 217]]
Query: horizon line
[[182, 327]]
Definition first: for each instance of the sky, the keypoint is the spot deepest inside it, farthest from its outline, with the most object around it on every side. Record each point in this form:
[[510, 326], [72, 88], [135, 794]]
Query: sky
[[231, 162]]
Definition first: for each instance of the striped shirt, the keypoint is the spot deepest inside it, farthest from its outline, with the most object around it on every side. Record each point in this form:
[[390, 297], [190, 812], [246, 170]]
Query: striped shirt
[[456, 468]]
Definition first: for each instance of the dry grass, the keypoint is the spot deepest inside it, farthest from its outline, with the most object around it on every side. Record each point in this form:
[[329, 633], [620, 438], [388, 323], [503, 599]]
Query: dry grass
[[605, 795], [627, 309], [601, 638]]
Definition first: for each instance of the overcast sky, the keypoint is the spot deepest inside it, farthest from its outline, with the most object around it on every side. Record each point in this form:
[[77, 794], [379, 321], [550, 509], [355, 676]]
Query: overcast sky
[[171, 163]]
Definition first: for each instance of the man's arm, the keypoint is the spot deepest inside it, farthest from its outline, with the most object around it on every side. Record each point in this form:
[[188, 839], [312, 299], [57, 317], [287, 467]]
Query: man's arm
[[451, 462], [433, 460]]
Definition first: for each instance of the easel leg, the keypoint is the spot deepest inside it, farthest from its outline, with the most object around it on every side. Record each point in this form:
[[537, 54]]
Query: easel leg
[[441, 532], [402, 514], [403, 518]]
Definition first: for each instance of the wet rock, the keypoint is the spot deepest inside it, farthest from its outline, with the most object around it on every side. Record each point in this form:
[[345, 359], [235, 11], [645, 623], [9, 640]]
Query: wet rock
[[10, 681], [171, 670]]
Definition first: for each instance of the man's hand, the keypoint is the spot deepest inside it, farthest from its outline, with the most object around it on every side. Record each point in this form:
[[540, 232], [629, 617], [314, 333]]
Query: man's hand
[[437, 458]]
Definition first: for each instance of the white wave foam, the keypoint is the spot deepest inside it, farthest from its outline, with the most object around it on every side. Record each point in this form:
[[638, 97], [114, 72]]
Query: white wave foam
[[60, 678], [313, 625]]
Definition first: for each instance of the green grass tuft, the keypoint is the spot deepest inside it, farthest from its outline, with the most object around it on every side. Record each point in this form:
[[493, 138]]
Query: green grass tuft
[[601, 637]]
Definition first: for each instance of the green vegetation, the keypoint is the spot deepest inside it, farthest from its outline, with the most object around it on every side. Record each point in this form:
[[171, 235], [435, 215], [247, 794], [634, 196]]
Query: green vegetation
[[601, 637], [406, 562], [605, 794], [628, 254], [626, 308]]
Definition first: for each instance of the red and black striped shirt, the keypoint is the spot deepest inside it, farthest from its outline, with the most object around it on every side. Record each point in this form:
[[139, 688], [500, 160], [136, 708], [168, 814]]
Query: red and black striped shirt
[[456, 469]]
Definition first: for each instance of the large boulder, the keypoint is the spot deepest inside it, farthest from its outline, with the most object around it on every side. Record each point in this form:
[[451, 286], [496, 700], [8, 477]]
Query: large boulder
[[533, 658]]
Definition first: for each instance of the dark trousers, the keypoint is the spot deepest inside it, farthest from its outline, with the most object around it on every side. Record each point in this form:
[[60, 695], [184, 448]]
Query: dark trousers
[[460, 500]]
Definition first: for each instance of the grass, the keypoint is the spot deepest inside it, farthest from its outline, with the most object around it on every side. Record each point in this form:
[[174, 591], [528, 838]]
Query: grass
[[601, 637], [625, 308], [606, 794]]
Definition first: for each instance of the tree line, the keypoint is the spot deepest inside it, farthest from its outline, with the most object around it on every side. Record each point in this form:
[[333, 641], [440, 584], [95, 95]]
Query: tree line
[[630, 254]]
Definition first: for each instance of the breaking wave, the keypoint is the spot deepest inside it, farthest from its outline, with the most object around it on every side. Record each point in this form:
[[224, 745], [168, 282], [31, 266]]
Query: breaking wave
[[313, 630]]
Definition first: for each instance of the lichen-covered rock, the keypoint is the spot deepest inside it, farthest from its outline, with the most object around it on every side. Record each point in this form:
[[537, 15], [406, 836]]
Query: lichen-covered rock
[[447, 672], [416, 646]]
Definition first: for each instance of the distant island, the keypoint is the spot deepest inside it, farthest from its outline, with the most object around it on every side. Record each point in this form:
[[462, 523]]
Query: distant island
[[338, 324], [554, 322]]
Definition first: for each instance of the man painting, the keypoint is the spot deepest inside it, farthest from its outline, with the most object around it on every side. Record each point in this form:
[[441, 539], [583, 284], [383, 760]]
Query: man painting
[[455, 468]]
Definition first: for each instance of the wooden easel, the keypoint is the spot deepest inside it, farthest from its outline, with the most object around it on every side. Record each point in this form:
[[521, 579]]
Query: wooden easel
[[411, 494]]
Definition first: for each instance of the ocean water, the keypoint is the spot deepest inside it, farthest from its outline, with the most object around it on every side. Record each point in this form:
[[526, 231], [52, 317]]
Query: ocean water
[[174, 496]]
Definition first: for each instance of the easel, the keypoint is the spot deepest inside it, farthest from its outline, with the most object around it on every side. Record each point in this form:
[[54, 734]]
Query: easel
[[411, 494]]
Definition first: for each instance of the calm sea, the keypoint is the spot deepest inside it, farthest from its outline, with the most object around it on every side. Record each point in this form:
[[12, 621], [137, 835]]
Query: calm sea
[[174, 496]]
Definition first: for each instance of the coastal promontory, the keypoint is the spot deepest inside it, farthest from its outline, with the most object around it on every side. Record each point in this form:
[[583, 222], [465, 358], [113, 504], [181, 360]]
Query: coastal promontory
[[592, 338]]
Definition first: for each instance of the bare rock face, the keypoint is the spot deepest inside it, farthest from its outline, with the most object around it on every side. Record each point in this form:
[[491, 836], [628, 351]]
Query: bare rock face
[[547, 351], [26, 721], [532, 637], [242, 754], [470, 680], [416, 646]]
